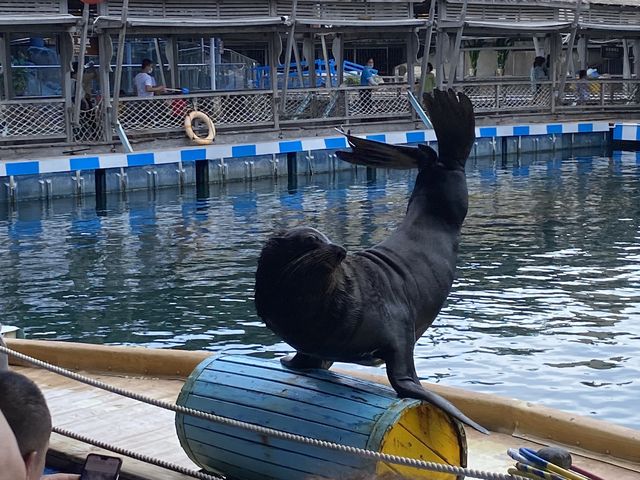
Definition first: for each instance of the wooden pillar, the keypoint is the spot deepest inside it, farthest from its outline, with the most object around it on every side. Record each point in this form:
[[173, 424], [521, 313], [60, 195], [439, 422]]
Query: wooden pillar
[[287, 61], [442, 44], [66, 54], [454, 56], [80, 70], [337, 50], [569, 59], [427, 47], [171, 52], [275, 50], [583, 52], [5, 60], [119, 57], [106, 53], [636, 58], [412, 53]]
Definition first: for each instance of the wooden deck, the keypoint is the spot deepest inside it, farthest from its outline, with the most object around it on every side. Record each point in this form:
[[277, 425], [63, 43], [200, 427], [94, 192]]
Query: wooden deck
[[149, 430]]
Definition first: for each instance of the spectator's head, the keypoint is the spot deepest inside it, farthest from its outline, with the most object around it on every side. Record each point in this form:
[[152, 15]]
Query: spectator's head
[[582, 74], [429, 67], [147, 65], [370, 63], [26, 412], [538, 62]]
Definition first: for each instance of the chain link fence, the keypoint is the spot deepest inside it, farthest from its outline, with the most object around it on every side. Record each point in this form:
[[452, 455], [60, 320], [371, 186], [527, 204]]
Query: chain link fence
[[500, 97], [601, 94], [166, 113], [90, 127], [32, 120]]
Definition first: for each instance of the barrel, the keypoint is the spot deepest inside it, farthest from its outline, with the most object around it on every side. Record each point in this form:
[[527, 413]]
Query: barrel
[[314, 403]]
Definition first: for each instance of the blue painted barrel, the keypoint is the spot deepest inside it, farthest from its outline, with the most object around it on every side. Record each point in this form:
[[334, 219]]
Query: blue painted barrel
[[317, 403]]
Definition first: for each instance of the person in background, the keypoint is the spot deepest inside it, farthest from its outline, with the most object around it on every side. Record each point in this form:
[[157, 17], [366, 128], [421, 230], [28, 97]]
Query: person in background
[[582, 88], [429, 80], [25, 410], [367, 79], [145, 83], [537, 76]]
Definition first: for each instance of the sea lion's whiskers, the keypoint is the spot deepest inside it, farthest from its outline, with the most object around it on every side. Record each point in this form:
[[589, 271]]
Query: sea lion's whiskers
[[309, 259]]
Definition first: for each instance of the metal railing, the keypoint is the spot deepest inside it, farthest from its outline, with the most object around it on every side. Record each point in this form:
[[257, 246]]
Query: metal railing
[[28, 119]]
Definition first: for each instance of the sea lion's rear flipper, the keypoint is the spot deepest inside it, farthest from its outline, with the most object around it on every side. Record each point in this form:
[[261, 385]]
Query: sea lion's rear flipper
[[404, 380], [454, 123], [302, 361], [382, 155]]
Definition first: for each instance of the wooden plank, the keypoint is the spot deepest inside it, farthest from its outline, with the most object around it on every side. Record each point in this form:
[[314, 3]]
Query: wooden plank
[[114, 419]]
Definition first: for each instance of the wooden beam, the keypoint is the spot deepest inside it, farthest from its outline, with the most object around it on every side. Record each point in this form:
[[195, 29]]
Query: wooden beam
[[80, 68], [325, 54], [287, 61], [119, 56], [572, 39], [453, 56], [427, 47]]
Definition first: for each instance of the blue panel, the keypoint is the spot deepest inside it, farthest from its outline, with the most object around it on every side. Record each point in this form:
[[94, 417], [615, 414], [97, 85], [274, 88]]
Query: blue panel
[[243, 151], [140, 159], [88, 163], [488, 132], [555, 128], [377, 138], [585, 127], [617, 132], [638, 133], [295, 146], [521, 130], [338, 142], [193, 155], [415, 137], [23, 168]]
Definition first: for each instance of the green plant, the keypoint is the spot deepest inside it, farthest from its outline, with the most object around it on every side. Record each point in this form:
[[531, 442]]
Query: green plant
[[502, 47], [19, 75], [475, 53]]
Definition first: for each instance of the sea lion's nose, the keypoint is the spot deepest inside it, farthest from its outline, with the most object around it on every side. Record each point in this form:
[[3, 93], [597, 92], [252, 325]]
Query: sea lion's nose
[[339, 250]]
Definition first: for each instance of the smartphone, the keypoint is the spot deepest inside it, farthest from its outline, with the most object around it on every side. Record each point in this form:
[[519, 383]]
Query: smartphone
[[101, 467]]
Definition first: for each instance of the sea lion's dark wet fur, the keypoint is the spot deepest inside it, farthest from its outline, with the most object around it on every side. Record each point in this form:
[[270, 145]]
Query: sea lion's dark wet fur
[[373, 305]]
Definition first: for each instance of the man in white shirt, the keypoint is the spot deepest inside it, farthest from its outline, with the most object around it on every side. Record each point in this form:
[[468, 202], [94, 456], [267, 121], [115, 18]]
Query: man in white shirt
[[145, 83]]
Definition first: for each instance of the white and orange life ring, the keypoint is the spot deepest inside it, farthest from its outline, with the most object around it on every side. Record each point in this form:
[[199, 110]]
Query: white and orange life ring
[[188, 128]]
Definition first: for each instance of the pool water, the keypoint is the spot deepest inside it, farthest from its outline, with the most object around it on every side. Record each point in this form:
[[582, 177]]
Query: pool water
[[546, 306]]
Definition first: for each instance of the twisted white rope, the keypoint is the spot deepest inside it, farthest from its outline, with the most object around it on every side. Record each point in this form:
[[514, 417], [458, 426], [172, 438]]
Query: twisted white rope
[[370, 454]]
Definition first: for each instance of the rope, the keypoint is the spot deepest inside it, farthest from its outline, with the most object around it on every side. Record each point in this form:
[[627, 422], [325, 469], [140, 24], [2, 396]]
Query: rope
[[370, 454], [136, 456]]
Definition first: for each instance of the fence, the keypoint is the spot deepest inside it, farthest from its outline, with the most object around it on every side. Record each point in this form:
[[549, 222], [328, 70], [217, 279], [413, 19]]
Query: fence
[[29, 119]]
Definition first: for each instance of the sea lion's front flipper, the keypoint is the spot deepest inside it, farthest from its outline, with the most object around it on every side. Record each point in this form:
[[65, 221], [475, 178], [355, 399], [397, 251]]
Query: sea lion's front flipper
[[404, 380], [302, 361]]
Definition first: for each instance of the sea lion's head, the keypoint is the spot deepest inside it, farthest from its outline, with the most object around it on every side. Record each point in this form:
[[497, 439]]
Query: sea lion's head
[[299, 258], [300, 248]]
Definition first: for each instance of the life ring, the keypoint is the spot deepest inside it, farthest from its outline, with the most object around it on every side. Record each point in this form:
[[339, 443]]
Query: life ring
[[188, 127]]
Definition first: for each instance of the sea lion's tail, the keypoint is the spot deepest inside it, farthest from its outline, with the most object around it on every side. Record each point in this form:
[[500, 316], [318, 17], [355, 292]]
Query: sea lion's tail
[[382, 155], [454, 123]]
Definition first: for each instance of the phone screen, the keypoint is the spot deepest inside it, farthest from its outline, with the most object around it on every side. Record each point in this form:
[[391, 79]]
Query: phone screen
[[101, 467]]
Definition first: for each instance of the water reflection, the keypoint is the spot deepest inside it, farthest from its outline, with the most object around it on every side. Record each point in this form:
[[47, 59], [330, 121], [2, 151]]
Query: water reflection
[[546, 306]]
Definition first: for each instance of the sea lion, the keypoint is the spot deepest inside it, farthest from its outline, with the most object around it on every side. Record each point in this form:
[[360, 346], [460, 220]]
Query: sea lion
[[373, 305]]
